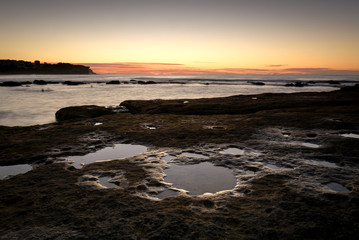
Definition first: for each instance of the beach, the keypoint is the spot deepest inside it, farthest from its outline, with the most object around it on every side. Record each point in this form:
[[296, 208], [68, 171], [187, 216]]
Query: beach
[[292, 157]]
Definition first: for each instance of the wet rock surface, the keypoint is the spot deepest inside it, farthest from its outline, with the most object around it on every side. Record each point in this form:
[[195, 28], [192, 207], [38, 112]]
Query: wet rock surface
[[244, 104], [81, 112], [296, 175]]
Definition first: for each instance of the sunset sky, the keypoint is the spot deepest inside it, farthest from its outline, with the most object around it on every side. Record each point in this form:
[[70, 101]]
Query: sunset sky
[[185, 36]]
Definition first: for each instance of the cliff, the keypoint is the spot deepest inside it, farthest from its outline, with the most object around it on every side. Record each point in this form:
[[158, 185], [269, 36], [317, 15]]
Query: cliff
[[24, 67]]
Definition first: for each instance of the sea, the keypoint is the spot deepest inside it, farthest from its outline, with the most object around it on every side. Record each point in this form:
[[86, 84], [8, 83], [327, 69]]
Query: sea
[[32, 104]]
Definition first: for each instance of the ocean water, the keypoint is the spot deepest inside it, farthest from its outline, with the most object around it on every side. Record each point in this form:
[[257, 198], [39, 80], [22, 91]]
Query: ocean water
[[37, 104]]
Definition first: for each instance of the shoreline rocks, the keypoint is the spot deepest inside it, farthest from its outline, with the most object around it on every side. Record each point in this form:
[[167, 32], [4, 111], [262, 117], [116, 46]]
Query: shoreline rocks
[[115, 82], [72, 83], [81, 112], [244, 104], [11, 84]]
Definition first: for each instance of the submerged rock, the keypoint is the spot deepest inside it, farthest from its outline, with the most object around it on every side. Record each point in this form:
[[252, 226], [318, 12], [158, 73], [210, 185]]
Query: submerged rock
[[81, 112]]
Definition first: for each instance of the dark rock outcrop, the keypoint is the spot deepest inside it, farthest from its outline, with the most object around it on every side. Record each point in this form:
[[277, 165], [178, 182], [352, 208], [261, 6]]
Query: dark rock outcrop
[[113, 82], [71, 83], [243, 104], [10, 84], [25, 67], [40, 82], [257, 83], [81, 112]]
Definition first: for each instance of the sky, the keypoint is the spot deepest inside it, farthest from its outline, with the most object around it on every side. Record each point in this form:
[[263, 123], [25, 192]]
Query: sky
[[185, 36]]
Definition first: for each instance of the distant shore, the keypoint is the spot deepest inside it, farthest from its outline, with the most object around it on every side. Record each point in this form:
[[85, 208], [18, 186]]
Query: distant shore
[[24, 67]]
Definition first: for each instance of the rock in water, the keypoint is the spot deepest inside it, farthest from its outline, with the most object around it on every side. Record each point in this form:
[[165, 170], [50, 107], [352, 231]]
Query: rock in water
[[71, 83], [10, 84], [113, 82], [81, 112], [40, 82]]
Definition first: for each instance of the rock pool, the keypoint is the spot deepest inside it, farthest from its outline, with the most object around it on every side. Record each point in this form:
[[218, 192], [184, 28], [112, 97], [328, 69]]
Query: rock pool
[[14, 170], [200, 178], [117, 151]]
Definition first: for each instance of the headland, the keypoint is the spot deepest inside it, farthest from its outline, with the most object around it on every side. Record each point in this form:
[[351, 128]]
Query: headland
[[25, 67]]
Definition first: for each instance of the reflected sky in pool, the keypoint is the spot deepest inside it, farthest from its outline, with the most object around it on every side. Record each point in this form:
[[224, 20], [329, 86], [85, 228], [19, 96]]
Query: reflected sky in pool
[[200, 178], [14, 170], [117, 151]]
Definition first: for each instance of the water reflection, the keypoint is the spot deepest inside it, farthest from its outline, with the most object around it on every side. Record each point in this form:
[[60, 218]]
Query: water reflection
[[167, 193], [310, 145], [273, 167], [200, 178], [104, 181], [337, 187], [350, 135], [233, 151], [194, 155], [322, 163], [168, 158], [117, 151], [14, 170]]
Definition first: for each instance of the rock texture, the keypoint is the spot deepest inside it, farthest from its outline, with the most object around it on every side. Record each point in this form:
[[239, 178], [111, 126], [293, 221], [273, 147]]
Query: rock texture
[[293, 150], [81, 112]]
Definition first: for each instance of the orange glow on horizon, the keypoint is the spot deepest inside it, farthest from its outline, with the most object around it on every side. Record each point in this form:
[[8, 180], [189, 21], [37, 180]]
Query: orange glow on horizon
[[182, 69]]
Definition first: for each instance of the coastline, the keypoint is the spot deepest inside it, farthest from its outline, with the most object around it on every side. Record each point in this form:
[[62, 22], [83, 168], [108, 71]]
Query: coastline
[[272, 204], [45, 95]]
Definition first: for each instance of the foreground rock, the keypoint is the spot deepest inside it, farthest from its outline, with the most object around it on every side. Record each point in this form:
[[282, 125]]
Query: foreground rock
[[293, 149]]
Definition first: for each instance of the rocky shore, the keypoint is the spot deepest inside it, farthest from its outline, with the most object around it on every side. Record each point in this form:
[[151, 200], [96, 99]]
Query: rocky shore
[[297, 171]]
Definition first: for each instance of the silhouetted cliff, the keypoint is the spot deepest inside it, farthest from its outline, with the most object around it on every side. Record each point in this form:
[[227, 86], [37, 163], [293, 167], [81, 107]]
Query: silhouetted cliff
[[24, 67]]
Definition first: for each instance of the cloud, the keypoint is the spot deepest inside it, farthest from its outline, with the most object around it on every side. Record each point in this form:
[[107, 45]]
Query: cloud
[[321, 71], [306, 69], [130, 67], [244, 70], [126, 64], [204, 62], [144, 68], [182, 69]]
